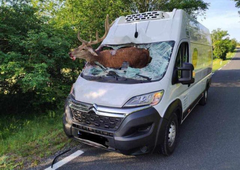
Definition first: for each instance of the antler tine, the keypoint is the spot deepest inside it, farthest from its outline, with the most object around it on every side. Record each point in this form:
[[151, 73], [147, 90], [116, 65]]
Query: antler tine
[[80, 39], [107, 27], [111, 24]]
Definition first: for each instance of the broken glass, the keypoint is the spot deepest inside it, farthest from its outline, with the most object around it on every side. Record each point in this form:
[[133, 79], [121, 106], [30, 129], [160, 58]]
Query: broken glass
[[155, 70]]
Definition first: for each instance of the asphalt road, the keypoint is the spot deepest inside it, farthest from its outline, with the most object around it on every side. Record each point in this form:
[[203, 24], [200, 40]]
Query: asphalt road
[[209, 137]]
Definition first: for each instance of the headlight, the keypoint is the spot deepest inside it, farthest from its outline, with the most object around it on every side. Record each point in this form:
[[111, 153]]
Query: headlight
[[146, 99], [68, 114]]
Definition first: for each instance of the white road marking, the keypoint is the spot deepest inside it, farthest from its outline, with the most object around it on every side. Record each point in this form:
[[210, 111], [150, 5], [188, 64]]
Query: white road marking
[[220, 68], [65, 160]]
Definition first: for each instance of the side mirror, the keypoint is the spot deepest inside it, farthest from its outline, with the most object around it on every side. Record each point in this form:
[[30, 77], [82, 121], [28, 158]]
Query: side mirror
[[186, 74]]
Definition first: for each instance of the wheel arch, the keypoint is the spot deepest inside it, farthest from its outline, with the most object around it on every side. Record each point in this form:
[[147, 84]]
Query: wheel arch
[[175, 106], [208, 83]]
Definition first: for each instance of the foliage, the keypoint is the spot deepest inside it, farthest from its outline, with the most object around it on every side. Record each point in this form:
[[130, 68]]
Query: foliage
[[232, 45], [237, 3], [221, 43], [33, 55], [192, 7], [89, 16]]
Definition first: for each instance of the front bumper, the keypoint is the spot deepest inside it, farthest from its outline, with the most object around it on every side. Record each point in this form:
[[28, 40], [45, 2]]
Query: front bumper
[[137, 133]]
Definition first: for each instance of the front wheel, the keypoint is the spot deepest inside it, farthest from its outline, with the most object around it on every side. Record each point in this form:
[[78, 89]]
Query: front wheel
[[170, 136]]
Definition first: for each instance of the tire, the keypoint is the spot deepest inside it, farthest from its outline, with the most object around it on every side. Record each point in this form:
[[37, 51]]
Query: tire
[[203, 100], [170, 136]]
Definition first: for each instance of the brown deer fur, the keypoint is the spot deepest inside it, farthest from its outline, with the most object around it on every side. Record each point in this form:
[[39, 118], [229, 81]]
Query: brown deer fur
[[137, 58]]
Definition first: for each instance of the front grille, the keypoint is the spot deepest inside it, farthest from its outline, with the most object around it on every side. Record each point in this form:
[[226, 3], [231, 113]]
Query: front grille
[[93, 120]]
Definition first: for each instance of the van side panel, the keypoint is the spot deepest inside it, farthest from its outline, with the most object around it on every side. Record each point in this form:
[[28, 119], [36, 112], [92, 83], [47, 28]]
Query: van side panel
[[200, 55]]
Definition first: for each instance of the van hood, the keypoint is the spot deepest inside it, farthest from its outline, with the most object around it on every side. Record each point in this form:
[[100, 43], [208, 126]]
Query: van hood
[[110, 94]]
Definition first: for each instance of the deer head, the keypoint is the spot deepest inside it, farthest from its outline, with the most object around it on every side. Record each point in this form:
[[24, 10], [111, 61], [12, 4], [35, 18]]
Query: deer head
[[85, 51]]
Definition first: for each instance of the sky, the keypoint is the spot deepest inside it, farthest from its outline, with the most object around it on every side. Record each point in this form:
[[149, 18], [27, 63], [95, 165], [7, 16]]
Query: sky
[[222, 14]]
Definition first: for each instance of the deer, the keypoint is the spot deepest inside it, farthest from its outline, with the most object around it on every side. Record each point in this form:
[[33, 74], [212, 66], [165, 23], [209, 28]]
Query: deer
[[134, 57]]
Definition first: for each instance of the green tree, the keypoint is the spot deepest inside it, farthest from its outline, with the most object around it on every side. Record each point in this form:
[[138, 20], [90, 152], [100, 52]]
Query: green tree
[[219, 34], [192, 7], [232, 45], [89, 16], [237, 3], [221, 48], [35, 68], [222, 44]]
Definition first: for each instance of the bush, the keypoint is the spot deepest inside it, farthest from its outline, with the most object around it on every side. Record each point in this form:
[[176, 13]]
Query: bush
[[220, 49], [221, 44], [35, 68]]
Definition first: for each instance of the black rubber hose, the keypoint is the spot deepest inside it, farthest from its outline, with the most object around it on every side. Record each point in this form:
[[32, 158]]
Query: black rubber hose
[[54, 160]]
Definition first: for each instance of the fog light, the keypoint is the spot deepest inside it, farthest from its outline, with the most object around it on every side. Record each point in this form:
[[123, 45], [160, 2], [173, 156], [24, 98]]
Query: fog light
[[144, 149], [145, 128]]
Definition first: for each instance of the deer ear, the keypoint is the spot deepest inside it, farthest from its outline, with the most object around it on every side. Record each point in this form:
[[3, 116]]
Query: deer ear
[[92, 52]]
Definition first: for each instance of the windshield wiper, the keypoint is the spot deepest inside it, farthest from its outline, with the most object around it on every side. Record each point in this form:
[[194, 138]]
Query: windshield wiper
[[148, 78], [112, 74], [116, 76], [101, 66]]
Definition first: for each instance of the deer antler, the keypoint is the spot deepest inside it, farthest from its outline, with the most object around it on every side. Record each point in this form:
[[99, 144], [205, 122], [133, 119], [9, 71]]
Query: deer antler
[[98, 40], [81, 40]]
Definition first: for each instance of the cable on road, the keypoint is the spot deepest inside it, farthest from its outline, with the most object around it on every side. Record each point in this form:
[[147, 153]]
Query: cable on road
[[54, 160]]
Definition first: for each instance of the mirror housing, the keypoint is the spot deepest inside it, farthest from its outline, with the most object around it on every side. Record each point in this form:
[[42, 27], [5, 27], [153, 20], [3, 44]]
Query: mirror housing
[[186, 74]]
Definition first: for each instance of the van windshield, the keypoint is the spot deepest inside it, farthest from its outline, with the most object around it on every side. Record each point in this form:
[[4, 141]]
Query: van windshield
[[155, 70]]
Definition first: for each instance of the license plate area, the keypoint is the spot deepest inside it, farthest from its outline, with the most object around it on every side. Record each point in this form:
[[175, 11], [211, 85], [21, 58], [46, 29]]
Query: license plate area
[[93, 139]]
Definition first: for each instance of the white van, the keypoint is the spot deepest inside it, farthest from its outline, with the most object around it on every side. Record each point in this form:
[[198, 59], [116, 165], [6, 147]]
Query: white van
[[136, 111]]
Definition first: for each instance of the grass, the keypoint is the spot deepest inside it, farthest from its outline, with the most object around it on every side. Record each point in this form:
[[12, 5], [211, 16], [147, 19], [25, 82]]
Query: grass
[[218, 63], [25, 141]]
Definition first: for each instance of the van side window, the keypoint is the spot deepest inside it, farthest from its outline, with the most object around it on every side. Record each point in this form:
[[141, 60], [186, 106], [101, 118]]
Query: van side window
[[182, 57]]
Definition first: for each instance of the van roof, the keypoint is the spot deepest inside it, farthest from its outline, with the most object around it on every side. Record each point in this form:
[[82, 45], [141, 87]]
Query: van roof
[[151, 26]]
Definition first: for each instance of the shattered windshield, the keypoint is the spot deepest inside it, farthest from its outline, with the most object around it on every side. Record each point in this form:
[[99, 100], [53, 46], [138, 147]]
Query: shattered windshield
[[160, 53]]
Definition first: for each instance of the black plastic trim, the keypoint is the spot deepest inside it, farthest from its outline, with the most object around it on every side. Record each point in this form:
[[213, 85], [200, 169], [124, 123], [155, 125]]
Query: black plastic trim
[[173, 107], [209, 81]]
